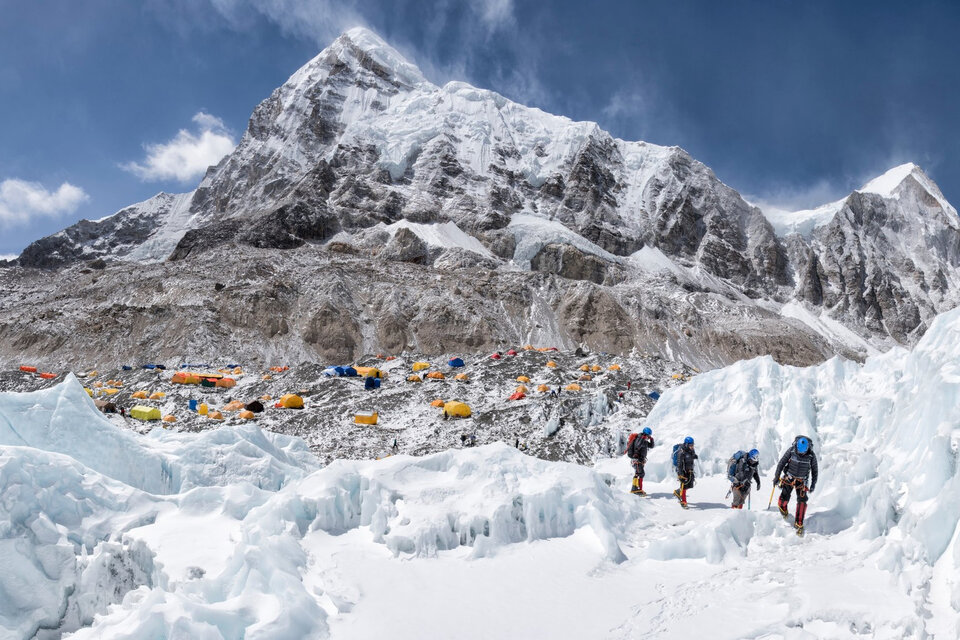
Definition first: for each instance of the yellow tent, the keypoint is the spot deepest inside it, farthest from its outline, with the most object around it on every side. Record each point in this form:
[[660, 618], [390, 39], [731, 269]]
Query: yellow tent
[[456, 409], [370, 372], [572, 387], [247, 415], [523, 379], [169, 418], [215, 415], [158, 395], [203, 409], [237, 371], [145, 413], [267, 376], [436, 375], [139, 395], [596, 368], [520, 389], [366, 417], [108, 391], [584, 367], [291, 401], [420, 366], [89, 392], [614, 367], [414, 378], [552, 364], [461, 376], [437, 403], [266, 398], [543, 388], [236, 405], [677, 376]]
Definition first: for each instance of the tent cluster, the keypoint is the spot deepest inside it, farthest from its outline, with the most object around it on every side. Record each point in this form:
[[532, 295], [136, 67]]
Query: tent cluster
[[340, 372], [46, 375], [203, 379]]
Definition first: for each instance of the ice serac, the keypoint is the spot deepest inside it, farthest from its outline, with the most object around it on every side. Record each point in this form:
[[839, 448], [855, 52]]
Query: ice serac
[[366, 170]]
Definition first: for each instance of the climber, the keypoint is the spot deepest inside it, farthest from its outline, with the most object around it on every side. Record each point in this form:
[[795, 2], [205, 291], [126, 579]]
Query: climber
[[683, 461], [743, 468], [637, 452], [799, 461]]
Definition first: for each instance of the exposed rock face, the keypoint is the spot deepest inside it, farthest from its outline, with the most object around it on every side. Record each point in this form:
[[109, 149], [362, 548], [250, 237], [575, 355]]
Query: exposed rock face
[[359, 152]]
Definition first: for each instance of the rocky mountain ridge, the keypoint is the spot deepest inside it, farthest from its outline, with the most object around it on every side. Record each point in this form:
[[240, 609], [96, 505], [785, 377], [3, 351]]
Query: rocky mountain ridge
[[362, 164]]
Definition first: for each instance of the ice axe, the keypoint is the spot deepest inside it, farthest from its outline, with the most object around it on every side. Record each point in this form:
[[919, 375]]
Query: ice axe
[[772, 489]]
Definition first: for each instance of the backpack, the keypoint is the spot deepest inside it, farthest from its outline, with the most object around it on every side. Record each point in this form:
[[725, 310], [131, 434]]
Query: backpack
[[676, 453], [629, 449], [732, 464]]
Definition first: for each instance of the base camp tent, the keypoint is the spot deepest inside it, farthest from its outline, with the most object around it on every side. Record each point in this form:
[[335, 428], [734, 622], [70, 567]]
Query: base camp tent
[[371, 383], [523, 379], [290, 401], [145, 413], [366, 417], [414, 378], [518, 396], [437, 403], [455, 409], [255, 407], [420, 366], [455, 362], [572, 387], [436, 375], [461, 377]]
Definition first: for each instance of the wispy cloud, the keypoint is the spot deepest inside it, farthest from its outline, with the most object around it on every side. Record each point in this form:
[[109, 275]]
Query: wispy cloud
[[187, 156], [22, 201], [786, 198]]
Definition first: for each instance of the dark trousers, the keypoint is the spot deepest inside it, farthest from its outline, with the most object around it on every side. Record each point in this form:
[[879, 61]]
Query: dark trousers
[[637, 467], [788, 485]]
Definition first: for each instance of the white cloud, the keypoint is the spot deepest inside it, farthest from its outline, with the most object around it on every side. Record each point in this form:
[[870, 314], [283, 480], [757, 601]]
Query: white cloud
[[187, 156], [8, 256], [21, 201], [785, 198]]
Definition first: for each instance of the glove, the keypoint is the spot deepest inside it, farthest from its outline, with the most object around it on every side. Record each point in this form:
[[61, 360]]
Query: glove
[[810, 490], [776, 481], [758, 484]]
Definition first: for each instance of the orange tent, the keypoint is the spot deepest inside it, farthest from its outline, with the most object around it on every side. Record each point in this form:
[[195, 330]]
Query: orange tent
[[596, 368], [520, 389], [28, 369], [461, 376], [518, 396], [247, 415], [552, 364], [436, 375], [523, 379], [169, 418], [236, 405], [48, 376], [543, 388], [614, 367], [572, 387], [226, 383], [584, 367], [215, 415], [437, 403]]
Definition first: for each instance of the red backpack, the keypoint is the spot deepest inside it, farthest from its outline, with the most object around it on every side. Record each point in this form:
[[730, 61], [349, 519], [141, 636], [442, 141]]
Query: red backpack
[[633, 436]]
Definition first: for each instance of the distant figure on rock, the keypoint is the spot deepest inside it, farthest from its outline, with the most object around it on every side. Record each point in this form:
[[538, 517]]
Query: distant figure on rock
[[637, 448], [629, 382], [684, 458], [396, 445], [742, 469], [799, 461]]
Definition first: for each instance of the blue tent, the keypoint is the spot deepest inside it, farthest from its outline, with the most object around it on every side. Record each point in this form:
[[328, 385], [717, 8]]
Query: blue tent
[[161, 366], [371, 383], [233, 366], [350, 372], [194, 366], [654, 394], [149, 366], [455, 362], [126, 367], [331, 372]]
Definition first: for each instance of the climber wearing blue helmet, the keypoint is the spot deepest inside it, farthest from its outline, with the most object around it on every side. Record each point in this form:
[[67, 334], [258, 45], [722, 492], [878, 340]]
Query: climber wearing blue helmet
[[799, 462], [743, 469], [683, 462], [637, 448]]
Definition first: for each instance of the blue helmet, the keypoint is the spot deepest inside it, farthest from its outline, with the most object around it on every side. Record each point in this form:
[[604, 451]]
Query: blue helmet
[[688, 440], [802, 445], [647, 431], [754, 455]]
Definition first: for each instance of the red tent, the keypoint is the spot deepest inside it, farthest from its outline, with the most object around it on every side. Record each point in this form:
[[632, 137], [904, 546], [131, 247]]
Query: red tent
[[511, 352], [495, 356], [519, 395]]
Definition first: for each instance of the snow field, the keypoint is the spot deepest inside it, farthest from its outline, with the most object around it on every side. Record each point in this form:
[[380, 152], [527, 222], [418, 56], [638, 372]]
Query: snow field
[[238, 533]]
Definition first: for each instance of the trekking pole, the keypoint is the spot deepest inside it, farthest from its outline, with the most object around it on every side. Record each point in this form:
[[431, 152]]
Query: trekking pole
[[748, 500], [772, 489]]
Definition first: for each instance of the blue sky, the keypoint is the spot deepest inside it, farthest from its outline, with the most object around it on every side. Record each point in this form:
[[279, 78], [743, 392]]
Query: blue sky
[[105, 103]]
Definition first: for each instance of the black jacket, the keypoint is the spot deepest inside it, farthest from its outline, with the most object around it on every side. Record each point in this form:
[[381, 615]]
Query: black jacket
[[638, 448], [799, 465], [745, 472], [685, 458]]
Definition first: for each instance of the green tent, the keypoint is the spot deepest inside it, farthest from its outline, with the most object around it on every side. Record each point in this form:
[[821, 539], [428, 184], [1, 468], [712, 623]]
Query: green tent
[[141, 412]]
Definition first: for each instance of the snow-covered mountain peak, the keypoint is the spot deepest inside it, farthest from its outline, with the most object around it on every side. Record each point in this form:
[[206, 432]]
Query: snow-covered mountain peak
[[885, 185]]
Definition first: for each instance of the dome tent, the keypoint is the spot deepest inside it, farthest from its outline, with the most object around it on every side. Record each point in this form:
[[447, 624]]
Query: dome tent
[[455, 409], [455, 362]]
